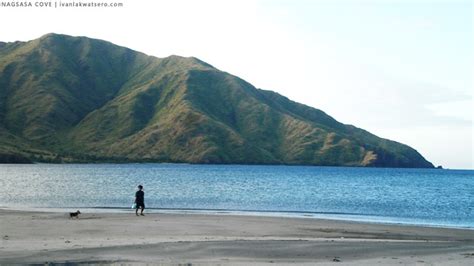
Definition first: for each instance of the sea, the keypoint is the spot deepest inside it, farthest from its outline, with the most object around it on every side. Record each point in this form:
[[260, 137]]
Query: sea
[[429, 197]]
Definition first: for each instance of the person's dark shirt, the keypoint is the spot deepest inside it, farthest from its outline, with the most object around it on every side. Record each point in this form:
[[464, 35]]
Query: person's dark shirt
[[140, 196]]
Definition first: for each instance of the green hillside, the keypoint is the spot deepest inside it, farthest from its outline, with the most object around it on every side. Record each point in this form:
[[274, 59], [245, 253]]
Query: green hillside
[[75, 99]]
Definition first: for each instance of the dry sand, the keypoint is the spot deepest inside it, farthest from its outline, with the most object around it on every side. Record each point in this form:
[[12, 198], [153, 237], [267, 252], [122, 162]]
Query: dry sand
[[39, 237]]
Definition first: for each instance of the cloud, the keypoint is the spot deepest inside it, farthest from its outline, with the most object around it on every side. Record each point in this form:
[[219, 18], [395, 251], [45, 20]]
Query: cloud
[[458, 110]]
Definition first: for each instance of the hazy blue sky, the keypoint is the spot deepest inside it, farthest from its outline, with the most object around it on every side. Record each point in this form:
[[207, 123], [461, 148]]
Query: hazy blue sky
[[400, 69]]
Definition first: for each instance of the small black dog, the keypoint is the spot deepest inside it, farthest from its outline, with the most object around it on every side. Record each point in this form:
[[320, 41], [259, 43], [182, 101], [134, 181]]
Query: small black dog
[[74, 214]]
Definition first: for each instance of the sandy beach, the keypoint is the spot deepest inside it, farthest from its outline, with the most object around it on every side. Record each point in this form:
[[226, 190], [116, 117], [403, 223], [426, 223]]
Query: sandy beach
[[30, 237]]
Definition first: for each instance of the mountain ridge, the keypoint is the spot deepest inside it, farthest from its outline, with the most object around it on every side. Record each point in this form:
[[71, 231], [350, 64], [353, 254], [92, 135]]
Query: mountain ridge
[[76, 99]]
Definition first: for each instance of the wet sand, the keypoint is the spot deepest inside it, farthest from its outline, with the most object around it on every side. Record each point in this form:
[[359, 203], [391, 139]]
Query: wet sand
[[30, 237]]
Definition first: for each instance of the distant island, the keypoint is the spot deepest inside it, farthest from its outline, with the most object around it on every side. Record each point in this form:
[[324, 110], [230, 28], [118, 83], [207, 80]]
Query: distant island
[[75, 99]]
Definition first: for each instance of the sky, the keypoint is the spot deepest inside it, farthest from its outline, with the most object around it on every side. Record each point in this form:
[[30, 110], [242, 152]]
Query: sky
[[400, 69]]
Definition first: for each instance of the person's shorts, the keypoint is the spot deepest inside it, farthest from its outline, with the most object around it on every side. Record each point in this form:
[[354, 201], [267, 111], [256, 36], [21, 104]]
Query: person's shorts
[[140, 205]]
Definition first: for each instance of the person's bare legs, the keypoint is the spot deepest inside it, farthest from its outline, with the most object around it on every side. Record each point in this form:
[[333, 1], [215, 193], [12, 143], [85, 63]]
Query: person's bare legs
[[136, 211], [141, 213]]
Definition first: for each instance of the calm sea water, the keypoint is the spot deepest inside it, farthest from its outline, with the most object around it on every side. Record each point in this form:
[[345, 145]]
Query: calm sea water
[[413, 196]]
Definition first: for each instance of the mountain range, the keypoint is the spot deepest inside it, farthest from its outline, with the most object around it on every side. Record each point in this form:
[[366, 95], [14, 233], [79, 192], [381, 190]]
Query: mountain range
[[77, 99]]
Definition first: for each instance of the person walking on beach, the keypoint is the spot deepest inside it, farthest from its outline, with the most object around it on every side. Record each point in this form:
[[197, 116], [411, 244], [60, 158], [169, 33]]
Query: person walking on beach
[[140, 200]]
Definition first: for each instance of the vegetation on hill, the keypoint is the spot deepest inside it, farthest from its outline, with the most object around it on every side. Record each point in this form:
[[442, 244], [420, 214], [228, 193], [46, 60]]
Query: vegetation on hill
[[75, 99]]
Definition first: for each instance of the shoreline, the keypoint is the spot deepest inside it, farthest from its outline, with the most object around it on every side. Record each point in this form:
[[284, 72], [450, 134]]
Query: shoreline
[[352, 218], [107, 238], [232, 164]]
